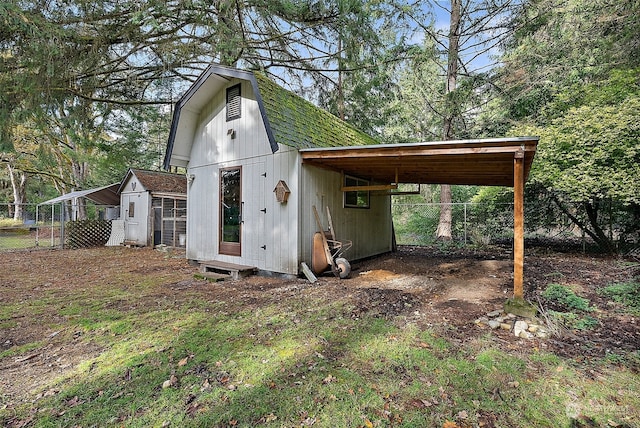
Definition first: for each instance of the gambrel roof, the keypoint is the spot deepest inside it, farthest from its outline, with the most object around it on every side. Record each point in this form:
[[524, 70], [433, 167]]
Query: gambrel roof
[[289, 119], [296, 122]]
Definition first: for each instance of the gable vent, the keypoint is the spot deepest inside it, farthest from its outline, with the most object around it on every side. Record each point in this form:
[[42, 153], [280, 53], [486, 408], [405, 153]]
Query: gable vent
[[233, 102]]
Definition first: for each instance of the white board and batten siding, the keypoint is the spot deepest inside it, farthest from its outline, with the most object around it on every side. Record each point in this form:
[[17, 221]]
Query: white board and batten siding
[[268, 237], [369, 229]]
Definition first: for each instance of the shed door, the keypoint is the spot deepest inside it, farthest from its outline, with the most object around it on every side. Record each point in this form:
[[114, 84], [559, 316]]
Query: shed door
[[231, 211], [134, 229]]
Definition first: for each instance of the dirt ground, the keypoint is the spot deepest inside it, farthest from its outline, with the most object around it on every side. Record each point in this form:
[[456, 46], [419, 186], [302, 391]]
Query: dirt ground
[[441, 289]]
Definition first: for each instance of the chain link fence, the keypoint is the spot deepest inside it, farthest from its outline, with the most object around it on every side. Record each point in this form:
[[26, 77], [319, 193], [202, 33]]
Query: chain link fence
[[41, 226], [30, 226], [474, 224]]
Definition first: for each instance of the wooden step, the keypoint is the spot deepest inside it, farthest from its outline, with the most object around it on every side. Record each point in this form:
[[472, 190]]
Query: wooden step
[[233, 270], [212, 276]]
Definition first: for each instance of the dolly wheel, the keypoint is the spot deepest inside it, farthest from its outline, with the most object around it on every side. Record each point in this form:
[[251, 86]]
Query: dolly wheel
[[343, 267]]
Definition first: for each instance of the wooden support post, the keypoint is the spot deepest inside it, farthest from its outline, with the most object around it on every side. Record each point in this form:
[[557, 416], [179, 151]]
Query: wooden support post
[[518, 225]]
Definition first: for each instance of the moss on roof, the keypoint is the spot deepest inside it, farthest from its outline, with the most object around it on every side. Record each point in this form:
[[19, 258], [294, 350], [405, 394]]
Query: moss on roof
[[159, 181], [297, 123]]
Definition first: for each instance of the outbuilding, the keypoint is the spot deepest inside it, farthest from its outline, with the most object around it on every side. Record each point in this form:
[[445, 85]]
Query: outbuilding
[[244, 142], [153, 207]]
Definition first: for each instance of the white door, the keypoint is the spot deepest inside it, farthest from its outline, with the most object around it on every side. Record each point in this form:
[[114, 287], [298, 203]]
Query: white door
[[134, 229], [254, 213]]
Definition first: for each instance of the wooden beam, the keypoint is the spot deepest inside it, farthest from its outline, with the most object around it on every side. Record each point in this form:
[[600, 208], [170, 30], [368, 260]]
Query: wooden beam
[[367, 188], [386, 152], [518, 226]]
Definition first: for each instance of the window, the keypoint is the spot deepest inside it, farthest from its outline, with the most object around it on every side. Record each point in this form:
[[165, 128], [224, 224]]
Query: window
[[132, 209], [356, 199], [233, 102], [230, 211]]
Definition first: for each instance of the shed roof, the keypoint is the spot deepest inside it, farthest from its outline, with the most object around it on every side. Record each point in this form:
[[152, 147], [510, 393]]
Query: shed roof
[[297, 123], [157, 181], [487, 162], [106, 195]]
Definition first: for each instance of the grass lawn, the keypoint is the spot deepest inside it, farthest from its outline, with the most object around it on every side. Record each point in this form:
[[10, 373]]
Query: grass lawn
[[127, 337]]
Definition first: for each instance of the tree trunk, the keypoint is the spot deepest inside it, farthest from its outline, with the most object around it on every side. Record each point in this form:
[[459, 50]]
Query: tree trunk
[[19, 187], [444, 225], [80, 172], [600, 237], [595, 232]]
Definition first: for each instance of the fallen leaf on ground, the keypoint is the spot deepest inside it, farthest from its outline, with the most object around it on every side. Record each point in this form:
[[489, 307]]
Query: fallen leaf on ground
[[172, 381], [328, 379]]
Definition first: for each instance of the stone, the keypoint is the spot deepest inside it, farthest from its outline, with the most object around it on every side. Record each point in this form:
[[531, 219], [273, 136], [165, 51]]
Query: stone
[[505, 326], [525, 334], [519, 327], [494, 324], [495, 313], [520, 307], [481, 321], [533, 328]]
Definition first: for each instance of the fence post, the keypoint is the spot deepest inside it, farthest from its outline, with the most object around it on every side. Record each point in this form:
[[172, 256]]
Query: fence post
[[465, 223], [62, 225]]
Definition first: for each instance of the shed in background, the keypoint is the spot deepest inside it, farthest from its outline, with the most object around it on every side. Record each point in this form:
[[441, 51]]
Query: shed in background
[[153, 206]]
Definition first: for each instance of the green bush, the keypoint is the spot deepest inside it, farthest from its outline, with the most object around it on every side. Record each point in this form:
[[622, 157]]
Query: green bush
[[574, 321], [564, 296], [627, 293]]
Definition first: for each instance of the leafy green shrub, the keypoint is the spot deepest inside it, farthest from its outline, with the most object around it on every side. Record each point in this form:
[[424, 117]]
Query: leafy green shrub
[[564, 296], [627, 293], [573, 321]]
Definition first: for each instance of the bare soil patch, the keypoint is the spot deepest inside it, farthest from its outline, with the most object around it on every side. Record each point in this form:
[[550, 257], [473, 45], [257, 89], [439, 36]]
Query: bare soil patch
[[443, 290]]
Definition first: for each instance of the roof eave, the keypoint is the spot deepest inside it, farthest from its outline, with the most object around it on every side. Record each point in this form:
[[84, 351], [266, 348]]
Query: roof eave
[[225, 72]]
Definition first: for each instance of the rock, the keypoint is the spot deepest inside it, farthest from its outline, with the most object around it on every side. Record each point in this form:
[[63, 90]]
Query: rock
[[525, 334], [543, 334], [520, 307], [495, 313], [499, 319], [519, 327], [505, 326], [481, 320], [533, 328], [495, 324]]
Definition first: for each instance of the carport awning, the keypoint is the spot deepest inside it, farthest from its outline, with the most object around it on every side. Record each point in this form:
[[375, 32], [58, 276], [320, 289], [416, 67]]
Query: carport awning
[[487, 162], [107, 195]]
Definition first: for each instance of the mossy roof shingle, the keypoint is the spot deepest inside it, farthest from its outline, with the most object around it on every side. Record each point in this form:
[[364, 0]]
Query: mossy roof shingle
[[297, 123]]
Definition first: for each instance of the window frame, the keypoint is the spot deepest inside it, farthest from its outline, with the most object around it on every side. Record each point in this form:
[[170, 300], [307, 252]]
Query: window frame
[[350, 181]]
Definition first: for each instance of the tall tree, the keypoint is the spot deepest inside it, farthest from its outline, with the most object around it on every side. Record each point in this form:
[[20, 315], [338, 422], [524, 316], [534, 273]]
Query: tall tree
[[450, 111], [570, 75], [58, 54], [476, 28]]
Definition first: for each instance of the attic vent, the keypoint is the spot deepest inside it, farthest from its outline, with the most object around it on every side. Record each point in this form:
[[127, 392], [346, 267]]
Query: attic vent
[[233, 102]]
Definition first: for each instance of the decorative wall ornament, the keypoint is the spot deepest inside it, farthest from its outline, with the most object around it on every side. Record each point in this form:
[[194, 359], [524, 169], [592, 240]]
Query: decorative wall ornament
[[282, 192]]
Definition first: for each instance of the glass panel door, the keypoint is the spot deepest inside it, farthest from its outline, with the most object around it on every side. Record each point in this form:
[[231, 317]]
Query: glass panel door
[[230, 210]]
